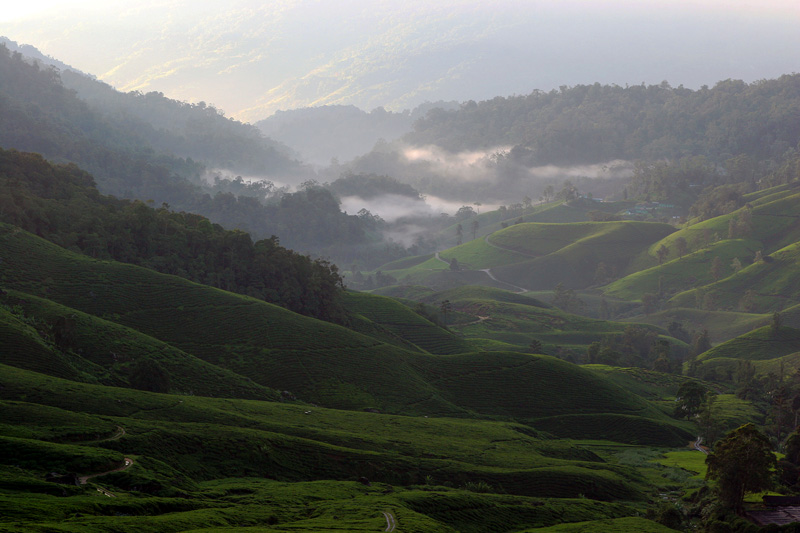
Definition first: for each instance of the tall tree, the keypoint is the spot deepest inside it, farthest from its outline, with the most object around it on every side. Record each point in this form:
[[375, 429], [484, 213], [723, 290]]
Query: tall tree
[[689, 399], [742, 462], [662, 254], [681, 246]]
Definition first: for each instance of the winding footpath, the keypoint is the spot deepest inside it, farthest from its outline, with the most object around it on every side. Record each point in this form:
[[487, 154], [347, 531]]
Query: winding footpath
[[391, 521], [127, 462], [488, 272], [698, 447]]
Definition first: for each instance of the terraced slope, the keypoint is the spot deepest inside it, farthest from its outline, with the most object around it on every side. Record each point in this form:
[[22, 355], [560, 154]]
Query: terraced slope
[[571, 253], [75, 345], [317, 361], [296, 466], [724, 325], [402, 322], [511, 319], [774, 230], [764, 286], [760, 344], [682, 274], [768, 350]]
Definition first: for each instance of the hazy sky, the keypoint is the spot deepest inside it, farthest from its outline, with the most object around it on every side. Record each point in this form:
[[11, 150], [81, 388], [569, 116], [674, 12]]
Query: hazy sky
[[251, 58]]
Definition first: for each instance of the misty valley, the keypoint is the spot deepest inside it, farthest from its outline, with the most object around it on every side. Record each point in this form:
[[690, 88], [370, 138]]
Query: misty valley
[[574, 310]]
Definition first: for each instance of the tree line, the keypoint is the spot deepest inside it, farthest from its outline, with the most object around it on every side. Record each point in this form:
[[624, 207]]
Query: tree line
[[60, 203]]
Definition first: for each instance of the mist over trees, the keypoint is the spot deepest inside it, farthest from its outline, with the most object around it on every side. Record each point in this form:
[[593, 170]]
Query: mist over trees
[[61, 204], [648, 143], [340, 132], [598, 123]]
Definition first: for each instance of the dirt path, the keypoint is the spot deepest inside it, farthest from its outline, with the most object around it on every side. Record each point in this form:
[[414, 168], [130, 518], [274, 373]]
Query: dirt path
[[488, 272], [391, 521], [436, 255], [698, 447], [480, 319], [493, 245], [517, 289], [126, 464], [116, 436]]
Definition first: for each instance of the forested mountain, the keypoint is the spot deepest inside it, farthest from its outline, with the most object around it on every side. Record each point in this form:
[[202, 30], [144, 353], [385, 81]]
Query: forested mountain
[[61, 204], [654, 142], [341, 132], [598, 123], [131, 157], [197, 131]]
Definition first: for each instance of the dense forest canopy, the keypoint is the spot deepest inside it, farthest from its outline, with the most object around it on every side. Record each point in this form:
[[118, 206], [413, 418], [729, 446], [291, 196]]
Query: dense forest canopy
[[130, 157], [597, 123], [61, 204], [658, 143]]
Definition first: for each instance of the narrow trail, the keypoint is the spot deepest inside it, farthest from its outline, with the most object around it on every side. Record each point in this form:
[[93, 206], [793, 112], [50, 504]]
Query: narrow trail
[[126, 464], [436, 255], [488, 271], [480, 319], [698, 447], [493, 245], [517, 288], [391, 521]]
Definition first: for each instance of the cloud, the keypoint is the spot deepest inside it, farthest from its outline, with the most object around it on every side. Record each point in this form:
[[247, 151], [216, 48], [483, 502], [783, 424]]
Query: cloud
[[394, 207], [492, 165]]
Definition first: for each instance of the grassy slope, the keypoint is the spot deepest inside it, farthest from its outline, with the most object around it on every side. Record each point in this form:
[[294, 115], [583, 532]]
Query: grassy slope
[[106, 352], [775, 230], [759, 344], [317, 361], [570, 253], [775, 284], [535, 255], [769, 352], [724, 325], [516, 319], [181, 445], [682, 274], [403, 323]]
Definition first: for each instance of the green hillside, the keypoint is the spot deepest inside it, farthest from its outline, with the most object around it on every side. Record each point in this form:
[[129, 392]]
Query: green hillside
[[402, 322], [295, 467], [723, 325], [769, 285], [101, 351], [681, 274], [513, 320], [768, 352], [572, 253], [768, 224], [759, 344], [316, 361], [536, 256]]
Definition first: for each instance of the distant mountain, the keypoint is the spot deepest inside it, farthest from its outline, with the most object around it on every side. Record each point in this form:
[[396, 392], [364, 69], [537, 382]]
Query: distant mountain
[[33, 53], [148, 147], [253, 58], [323, 133], [597, 123]]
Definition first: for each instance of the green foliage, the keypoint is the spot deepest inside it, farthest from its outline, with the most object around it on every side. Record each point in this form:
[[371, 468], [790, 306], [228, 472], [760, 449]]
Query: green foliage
[[689, 399], [370, 186], [759, 344], [741, 462], [61, 204], [147, 146], [596, 123], [618, 525], [616, 428], [571, 253]]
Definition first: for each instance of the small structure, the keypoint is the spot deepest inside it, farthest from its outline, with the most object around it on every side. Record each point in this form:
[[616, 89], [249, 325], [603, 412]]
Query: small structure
[[780, 510]]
